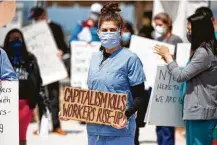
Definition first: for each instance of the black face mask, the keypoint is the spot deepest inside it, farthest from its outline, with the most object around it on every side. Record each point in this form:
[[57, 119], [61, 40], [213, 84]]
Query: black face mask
[[188, 35]]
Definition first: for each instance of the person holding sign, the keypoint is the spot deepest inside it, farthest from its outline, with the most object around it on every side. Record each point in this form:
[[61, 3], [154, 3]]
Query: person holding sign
[[115, 70], [163, 33], [200, 105], [6, 70], [27, 70], [39, 14]]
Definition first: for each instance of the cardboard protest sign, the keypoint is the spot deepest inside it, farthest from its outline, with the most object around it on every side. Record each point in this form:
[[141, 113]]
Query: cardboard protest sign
[[7, 11], [9, 118], [165, 106], [39, 41], [93, 106], [144, 48], [183, 54], [80, 61]]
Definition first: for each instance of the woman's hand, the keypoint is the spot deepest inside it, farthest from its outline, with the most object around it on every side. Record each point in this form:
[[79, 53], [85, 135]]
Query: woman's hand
[[121, 124], [59, 54], [164, 52]]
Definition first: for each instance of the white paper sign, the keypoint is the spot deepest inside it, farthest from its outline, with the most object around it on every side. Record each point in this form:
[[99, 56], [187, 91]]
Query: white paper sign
[[183, 54], [144, 48], [39, 41], [9, 118], [165, 108], [80, 60]]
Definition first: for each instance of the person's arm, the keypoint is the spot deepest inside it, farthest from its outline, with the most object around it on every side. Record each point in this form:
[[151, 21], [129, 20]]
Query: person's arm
[[200, 61], [60, 40], [75, 32], [6, 70], [140, 98], [136, 78]]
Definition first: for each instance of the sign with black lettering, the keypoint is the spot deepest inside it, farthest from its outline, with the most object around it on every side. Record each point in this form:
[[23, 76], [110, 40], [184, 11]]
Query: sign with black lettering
[[93, 106], [40, 42], [165, 107], [9, 119]]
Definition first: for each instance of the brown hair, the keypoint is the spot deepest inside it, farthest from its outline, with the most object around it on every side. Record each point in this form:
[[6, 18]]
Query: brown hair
[[110, 12], [165, 18]]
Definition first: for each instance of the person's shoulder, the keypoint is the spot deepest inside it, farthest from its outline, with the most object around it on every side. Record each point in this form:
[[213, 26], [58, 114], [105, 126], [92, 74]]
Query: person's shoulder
[[2, 52], [31, 57], [129, 54], [53, 24], [176, 38]]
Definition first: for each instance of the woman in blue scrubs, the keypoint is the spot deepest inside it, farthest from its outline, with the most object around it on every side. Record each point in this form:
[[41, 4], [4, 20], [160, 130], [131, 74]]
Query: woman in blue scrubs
[[115, 70], [6, 69], [200, 100]]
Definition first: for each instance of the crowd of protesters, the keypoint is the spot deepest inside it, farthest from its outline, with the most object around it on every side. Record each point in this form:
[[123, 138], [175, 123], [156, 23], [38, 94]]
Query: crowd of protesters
[[106, 25]]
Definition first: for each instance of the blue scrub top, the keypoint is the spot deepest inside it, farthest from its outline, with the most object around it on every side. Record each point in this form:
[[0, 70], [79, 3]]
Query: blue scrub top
[[6, 69], [116, 74]]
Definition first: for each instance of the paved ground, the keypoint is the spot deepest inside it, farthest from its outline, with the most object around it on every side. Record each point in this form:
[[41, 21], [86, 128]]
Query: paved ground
[[77, 136]]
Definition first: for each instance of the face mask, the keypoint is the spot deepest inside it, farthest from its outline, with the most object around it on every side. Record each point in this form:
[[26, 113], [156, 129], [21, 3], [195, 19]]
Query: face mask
[[157, 35], [110, 40], [16, 45], [161, 30], [188, 35], [125, 36]]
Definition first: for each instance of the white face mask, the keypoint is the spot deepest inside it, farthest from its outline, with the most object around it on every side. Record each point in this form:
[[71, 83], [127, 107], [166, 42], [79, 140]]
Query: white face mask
[[161, 30]]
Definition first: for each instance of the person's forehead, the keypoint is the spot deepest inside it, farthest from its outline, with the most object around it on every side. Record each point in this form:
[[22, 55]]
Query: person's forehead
[[15, 34], [158, 22], [108, 25]]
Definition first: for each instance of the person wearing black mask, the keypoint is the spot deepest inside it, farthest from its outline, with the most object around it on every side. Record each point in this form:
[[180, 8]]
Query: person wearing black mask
[[27, 71], [39, 14]]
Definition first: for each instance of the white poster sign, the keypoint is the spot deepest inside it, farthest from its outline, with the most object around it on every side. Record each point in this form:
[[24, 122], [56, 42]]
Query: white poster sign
[[144, 48], [80, 60], [183, 54], [9, 118], [39, 41], [165, 108]]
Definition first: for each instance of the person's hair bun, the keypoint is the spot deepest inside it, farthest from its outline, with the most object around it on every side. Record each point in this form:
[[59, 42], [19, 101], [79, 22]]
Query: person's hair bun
[[110, 7]]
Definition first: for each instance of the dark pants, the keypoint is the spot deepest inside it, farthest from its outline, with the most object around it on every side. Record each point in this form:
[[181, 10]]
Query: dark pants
[[136, 140], [53, 93], [141, 117], [165, 135]]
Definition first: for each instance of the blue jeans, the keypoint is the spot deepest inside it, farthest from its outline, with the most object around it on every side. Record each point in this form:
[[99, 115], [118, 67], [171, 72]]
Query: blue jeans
[[200, 132], [165, 135], [110, 140]]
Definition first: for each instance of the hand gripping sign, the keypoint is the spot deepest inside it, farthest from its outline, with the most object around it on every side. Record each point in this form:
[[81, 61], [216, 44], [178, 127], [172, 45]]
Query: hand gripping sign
[[93, 106]]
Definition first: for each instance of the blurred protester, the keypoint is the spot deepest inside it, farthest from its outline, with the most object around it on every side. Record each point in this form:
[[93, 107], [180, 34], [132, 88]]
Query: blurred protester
[[87, 30], [147, 29], [163, 33], [140, 117], [39, 14], [26, 67], [126, 35], [6, 70], [200, 105], [209, 12]]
